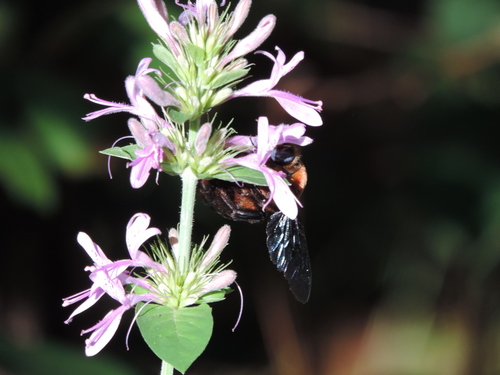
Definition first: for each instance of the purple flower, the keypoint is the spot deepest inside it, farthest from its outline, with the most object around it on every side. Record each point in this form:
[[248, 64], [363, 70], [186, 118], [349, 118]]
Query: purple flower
[[110, 277], [147, 131], [302, 109], [102, 266], [150, 156], [139, 104], [267, 139], [105, 329]]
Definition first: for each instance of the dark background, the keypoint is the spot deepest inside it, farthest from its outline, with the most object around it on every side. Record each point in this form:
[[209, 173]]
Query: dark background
[[402, 210]]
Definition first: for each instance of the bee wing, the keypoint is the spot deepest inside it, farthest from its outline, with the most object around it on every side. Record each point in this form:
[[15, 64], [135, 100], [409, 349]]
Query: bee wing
[[287, 247]]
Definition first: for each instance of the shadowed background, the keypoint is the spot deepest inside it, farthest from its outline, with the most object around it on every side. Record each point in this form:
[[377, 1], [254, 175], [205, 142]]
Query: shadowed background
[[402, 210]]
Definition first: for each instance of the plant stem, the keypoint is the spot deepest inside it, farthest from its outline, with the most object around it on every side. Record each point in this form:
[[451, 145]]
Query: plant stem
[[166, 368], [194, 127], [189, 182]]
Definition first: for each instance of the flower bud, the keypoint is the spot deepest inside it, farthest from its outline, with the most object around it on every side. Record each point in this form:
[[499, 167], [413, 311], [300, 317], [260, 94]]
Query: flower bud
[[222, 280], [202, 138], [139, 132], [153, 91], [218, 244], [239, 15], [253, 40], [179, 32], [220, 96], [174, 241]]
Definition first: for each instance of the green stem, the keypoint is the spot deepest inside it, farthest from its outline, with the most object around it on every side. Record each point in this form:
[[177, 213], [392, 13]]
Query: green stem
[[189, 183], [166, 368], [194, 127]]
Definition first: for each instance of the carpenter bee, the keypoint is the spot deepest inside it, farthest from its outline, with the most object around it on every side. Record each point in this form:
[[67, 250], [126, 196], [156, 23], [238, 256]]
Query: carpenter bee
[[286, 240]]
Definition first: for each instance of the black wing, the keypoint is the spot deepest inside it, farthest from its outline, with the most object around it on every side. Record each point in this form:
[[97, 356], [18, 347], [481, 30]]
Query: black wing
[[287, 247]]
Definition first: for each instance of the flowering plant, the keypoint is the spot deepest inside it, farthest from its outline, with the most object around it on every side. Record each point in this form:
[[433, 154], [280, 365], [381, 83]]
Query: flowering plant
[[171, 285]]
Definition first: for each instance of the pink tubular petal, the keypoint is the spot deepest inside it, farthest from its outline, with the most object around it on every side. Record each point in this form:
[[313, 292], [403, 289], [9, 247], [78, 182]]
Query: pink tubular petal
[[112, 270], [288, 67], [153, 91], [239, 15], [138, 233], [257, 88], [92, 299], [135, 226], [253, 40], [106, 328], [143, 67], [221, 280], [240, 140], [285, 199], [179, 32], [293, 133], [103, 331], [173, 239], [112, 107], [112, 286], [75, 297], [148, 158], [218, 244], [140, 133], [202, 137], [140, 171], [299, 108], [156, 15], [304, 110], [92, 249], [263, 146]]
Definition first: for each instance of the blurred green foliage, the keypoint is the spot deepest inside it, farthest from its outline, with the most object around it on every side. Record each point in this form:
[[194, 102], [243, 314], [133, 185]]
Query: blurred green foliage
[[51, 358]]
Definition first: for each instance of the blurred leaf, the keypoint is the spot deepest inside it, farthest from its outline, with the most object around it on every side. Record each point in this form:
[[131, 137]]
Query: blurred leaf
[[63, 143], [458, 20], [54, 359], [487, 253], [8, 19], [455, 162], [413, 342], [24, 177]]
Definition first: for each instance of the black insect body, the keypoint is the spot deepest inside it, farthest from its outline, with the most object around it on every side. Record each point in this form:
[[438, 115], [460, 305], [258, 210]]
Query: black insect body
[[286, 240]]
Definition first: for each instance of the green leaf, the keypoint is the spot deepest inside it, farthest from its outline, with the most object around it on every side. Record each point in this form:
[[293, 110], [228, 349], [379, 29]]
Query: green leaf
[[179, 117], [243, 174], [197, 54], [215, 296], [126, 152], [165, 56], [176, 336], [228, 77]]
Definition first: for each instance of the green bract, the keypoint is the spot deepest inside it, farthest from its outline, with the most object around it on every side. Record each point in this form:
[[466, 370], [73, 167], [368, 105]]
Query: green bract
[[176, 336]]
